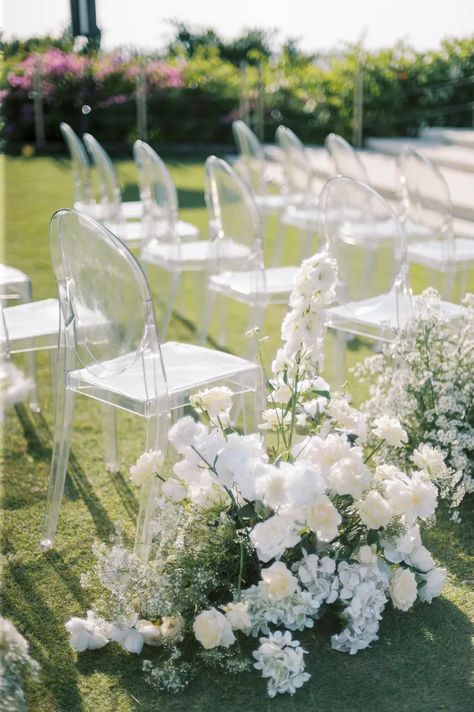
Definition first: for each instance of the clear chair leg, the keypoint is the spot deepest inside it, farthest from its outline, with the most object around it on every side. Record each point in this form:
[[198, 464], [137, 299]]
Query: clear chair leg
[[278, 246], [170, 300], [30, 370], [64, 416], [340, 358], [448, 284], [210, 299], [109, 430]]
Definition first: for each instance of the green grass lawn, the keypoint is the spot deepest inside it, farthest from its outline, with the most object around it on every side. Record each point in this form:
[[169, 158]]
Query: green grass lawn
[[423, 661]]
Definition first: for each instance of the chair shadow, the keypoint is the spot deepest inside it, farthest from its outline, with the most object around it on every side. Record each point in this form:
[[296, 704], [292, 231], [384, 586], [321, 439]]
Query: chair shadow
[[126, 494], [453, 544]]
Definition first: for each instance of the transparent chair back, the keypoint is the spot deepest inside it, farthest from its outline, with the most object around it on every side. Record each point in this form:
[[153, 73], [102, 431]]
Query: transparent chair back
[[298, 172], [82, 187], [372, 279], [346, 161], [109, 189], [253, 165], [158, 195], [234, 217], [426, 201]]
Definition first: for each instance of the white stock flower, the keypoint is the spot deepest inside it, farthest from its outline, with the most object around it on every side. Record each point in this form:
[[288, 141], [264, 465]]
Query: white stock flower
[[238, 616], [428, 458], [281, 661], [374, 510], [273, 536], [212, 630], [86, 633], [216, 402], [147, 464], [323, 518], [281, 392], [184, 433], [348, 417], [390, 430], [278, 582], [403, 590], [275, 418], [433, 584]]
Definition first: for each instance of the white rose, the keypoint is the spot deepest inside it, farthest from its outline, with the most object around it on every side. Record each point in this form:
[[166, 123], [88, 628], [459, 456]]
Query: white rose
[[421, 558], [150, 631], [390, 430], [434, 584], [129, 639], [374, 511], [349, 475], [278, 582], [147, 464], [366, 555], [413, 497], [174, 489], [212, 629], [303, 483], [237, 458], [184, 432], [323, 518], [428, 458], [238, 616], [324, 453], [272, 537], [403, 589], [214, 401], [172, 627], [270, 486], [275, 418]]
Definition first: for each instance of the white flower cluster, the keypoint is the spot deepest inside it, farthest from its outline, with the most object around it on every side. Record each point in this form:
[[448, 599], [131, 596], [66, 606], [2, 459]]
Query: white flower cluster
[[15, 387], [425, 379], [15, 664], [280, 658]]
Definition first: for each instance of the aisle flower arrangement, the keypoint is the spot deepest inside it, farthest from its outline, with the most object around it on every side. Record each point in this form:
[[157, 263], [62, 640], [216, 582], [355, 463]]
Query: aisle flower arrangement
[[259, 536], [425, 378], [15, 665]]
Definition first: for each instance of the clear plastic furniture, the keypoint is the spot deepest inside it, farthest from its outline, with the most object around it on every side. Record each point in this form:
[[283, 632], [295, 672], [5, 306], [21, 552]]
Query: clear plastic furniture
[[252, 167], [14, 284], [27, 328], [83, 195], [164, 245], [234, 215], [122, 217], [109, 351], [375, 304], [303, 215], [427, 208], [345, 158]]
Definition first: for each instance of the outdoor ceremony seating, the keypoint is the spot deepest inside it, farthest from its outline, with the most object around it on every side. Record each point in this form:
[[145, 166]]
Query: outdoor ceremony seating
[[426, 203], [234, 215], [375, 303], [109, 351]]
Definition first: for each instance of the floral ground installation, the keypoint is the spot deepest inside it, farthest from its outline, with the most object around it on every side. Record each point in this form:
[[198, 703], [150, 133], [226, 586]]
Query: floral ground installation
[[15, 664], [260, 538], [425, 378]]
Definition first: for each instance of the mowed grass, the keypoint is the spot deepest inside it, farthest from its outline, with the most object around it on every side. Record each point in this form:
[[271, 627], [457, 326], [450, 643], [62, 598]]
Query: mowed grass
[[423, 661]]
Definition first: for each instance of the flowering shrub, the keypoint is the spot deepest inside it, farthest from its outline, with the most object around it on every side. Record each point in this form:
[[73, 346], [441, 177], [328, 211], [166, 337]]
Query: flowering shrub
[[15, 664], [260, 541], [425, 379]]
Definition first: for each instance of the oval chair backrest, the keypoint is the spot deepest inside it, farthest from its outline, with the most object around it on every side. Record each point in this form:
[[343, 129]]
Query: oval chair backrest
[[233, 218], [109, 189], [157, 193], [82, 188], [425, 194], [345, 159], [297, 166], [107, 316], [252, 163], [368, 243]]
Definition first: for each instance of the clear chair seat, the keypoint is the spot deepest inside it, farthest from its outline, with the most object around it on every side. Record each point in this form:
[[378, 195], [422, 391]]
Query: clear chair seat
[[382, 315], [11, 276], [132, 209], [273, 202], [302, 217], [32, 326], [187, 367], [384, 231], [191, 255], [436, 254], [249, 286]]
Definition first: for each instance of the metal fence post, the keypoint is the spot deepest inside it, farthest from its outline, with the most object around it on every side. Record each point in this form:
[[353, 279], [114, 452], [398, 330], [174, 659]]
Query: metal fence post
[[141, 92], [38, 107]]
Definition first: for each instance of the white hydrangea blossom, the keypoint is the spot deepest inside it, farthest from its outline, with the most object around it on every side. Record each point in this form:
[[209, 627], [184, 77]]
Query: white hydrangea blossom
[[281, 660]]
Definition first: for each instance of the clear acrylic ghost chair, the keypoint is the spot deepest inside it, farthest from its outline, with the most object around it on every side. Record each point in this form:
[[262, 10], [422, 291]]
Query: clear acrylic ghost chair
[[375, 306], [427, 208], [109, 351], [299, 178], [345, 159], [123, 218], [28, 328], [163, 245], [83, 195], [234, 215], [253, 169]]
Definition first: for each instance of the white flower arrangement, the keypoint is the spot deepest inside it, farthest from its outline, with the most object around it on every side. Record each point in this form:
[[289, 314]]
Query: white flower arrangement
[[15, 386], [15, 664], [261, 540], [424, 380]]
